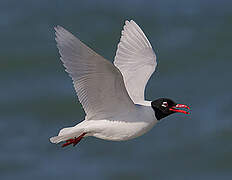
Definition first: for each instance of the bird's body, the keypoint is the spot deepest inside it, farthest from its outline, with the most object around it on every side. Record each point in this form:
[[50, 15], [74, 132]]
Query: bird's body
[[112, 95], [125, 126]]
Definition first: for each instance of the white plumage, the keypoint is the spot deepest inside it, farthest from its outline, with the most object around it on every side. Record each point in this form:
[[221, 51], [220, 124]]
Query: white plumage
[[99, 85], [136, 60], [114, 104]]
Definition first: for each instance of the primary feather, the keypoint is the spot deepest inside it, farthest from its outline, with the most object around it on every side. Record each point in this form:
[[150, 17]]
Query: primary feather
[[135, 59], [98, 83]]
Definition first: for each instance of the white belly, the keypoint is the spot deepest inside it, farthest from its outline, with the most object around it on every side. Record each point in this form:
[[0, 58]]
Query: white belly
[[124, 127], [119, 131]]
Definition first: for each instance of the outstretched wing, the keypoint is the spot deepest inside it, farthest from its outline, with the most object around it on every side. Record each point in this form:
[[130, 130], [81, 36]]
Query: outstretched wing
[[98, 83], [135, 59]]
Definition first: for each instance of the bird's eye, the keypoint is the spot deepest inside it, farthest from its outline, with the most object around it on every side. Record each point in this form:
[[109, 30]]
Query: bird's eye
[[165, 104]]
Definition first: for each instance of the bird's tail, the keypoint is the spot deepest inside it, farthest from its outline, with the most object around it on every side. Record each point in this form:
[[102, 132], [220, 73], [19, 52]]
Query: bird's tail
[[65, 134]]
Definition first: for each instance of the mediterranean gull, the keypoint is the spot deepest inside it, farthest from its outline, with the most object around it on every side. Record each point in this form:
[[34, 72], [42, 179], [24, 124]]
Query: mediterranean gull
[[112, 95]]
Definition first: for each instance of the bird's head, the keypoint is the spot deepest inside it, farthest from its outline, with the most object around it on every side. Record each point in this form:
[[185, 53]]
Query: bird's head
[[164, 107]]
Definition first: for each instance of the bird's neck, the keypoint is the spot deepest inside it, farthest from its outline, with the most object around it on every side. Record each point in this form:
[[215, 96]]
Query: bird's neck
[[144, 103]]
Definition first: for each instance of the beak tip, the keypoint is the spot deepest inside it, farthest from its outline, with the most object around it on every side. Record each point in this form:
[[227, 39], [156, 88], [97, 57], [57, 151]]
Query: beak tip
[[175, 108]]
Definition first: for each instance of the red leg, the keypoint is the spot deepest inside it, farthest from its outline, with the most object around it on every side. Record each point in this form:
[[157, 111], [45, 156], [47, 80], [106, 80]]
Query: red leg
[[74, 141]]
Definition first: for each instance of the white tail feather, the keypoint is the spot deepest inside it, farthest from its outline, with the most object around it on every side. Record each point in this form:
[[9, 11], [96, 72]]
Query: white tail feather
[[65, 131], [56, 139], [65, 134]]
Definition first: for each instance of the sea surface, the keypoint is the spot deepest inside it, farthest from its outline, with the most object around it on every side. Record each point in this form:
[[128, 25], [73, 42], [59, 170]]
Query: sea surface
[[193, 43]]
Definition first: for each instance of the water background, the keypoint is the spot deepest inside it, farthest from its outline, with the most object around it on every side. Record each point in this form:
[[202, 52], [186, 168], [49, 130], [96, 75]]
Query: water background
[[192, 40]]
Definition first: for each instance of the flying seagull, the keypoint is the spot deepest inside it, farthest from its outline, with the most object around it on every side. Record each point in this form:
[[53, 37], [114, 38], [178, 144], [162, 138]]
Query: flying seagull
[[112, 95]]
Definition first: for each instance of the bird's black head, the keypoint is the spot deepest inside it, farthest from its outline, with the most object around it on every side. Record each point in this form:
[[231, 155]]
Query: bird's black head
[[164, 107]]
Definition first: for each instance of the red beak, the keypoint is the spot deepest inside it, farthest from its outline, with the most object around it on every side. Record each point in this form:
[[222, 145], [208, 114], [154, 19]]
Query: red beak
[[180, 108]]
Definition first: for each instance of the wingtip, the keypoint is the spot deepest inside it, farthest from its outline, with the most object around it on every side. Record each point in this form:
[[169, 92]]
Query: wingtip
[[59, 31], [59, 28], [56, 27], [133, 23], [127, 22]]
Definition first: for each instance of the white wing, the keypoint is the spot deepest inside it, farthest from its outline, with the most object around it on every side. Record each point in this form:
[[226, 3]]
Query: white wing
[[98, 83], [135, 59]]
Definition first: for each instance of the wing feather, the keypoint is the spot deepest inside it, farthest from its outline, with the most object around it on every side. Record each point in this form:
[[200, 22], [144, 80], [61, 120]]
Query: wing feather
[[98, 83], [135, 59]]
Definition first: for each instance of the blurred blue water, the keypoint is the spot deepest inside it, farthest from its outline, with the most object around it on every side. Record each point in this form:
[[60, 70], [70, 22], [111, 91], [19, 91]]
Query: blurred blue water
[[192, 40]]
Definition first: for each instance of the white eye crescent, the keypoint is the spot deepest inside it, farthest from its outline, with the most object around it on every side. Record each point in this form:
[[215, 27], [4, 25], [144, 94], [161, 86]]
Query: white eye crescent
[[165, 104]]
